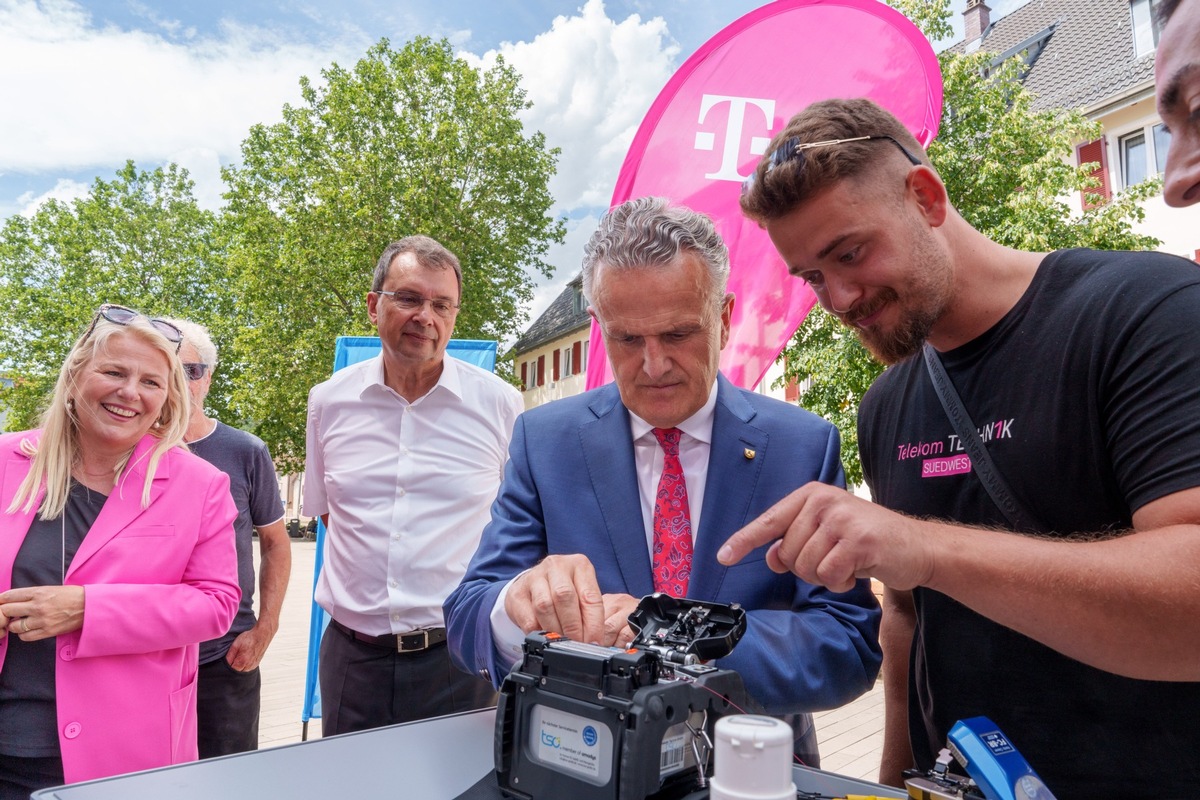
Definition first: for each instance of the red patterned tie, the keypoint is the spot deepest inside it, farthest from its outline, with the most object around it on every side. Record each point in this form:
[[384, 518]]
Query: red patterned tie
[[672, 560]]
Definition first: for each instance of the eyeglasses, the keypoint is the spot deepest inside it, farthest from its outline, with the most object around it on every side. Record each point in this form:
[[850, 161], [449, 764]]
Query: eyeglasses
[[793, 150], [194, 371], [410, 301], [120, 315]]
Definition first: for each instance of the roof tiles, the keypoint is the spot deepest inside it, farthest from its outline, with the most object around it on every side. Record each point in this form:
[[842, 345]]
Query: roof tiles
[[1087, 60]]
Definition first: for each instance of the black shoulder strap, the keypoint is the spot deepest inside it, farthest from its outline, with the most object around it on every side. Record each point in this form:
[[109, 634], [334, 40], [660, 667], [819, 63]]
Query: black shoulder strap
[[981, 462]]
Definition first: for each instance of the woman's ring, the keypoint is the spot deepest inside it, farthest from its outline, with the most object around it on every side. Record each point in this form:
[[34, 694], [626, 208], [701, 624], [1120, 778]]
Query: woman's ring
[[24, 624]]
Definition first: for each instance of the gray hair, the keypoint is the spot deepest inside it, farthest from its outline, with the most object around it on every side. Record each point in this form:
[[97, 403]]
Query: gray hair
[[650, 233], [197, 336], [429, 252]]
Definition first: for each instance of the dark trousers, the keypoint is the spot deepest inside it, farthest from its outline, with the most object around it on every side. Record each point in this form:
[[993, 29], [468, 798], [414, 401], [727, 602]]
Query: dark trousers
[[366, 686], [20, 777], [227, 706], [805, 744]]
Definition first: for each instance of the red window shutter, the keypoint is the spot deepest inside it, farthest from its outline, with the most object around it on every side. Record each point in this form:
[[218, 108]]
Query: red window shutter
[[555, 370], [541, 370], [576, 358], [524, 374], [791, 391], [1095, 152]]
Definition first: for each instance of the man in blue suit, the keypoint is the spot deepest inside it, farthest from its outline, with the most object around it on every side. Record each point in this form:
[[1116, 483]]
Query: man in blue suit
[[574, 539]]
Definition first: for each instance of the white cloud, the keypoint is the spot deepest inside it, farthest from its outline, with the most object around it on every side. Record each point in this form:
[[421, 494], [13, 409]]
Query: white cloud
[[91, 96], [591, 79], [204, 168], [568, 258], [64, 190], [80, 96]]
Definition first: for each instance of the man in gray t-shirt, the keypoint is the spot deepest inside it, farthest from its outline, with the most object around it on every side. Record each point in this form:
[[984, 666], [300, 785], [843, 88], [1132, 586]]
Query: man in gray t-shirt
[[229, 682]]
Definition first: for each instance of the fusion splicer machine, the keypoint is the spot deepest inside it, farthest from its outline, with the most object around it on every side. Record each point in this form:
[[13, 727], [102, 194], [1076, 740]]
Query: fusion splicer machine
[[996, 770], [585, 722]]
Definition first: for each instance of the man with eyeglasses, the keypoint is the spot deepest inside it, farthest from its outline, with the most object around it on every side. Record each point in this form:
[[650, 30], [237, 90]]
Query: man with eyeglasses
[[404, 454], [1177, 82], [230, 683], [1079, 371]]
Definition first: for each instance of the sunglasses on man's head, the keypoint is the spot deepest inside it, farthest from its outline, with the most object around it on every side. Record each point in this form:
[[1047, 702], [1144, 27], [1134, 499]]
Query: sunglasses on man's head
[[194, 371], [120, 315], [793, 149]]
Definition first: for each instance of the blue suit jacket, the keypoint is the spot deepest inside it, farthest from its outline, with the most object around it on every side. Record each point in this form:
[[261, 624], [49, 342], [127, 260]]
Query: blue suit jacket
[[570, 486]]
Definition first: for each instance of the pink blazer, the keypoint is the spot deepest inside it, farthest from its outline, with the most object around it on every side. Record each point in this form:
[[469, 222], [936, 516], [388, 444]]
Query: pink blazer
[[156, 582]]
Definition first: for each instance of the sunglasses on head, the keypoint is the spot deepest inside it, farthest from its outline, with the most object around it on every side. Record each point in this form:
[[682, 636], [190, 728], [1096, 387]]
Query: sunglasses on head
[[120, 315], [194, 371], [793, 150]]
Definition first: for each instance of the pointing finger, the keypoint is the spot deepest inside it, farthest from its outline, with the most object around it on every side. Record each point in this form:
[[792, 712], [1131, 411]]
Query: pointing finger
[[770, 525]]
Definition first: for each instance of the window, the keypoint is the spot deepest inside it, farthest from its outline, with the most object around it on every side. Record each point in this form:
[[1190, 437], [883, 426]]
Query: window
[[568, 363], [1143, 154], [1144, 16], [1162, 143], [529, 375], [1133, 159], [1094, 152]]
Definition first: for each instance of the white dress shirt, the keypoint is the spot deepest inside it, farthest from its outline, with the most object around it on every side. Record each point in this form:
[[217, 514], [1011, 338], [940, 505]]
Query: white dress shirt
[[407, 486], [694, 445]]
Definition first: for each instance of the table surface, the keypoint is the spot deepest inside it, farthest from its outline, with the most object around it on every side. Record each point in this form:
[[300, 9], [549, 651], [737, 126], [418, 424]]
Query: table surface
[[435, 759]]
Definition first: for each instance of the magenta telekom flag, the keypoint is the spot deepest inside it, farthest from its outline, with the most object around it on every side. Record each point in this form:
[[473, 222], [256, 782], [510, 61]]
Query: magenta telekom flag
[[712, 122]]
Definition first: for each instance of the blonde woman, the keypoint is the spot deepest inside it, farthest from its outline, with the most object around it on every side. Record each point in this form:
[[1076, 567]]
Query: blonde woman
[[116, 558]]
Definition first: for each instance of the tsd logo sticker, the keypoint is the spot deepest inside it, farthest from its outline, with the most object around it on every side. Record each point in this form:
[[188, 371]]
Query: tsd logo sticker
[[589, 736]]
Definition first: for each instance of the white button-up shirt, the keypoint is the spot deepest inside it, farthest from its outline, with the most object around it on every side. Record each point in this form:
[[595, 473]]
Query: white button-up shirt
[[694, 447], [408, 488]]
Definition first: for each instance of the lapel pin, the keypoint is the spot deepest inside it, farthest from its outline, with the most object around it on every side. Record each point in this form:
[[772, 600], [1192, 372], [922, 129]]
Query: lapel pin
[[749, 454]]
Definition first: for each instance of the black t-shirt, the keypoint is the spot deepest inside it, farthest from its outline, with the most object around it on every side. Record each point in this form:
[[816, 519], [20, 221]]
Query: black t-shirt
[[28, 711], [1087, 396]]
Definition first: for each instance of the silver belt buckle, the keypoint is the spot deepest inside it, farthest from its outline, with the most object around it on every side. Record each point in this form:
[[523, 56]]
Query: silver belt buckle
[[401, 644]]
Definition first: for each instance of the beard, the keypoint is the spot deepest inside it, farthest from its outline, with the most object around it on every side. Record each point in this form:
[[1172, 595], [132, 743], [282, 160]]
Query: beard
[[926, 297], [893, 346]]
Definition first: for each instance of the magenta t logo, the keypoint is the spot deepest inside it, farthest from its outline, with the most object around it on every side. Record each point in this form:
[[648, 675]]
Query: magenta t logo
[[714, 118]]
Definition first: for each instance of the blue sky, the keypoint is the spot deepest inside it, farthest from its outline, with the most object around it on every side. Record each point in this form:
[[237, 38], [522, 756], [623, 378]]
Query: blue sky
[[84, 86]]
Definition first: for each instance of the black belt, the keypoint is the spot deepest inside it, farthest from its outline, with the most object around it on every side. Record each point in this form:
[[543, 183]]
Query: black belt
[[414, 642]]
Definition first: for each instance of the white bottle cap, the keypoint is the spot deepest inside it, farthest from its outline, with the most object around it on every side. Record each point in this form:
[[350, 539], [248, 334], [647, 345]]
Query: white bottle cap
[[752, 759]]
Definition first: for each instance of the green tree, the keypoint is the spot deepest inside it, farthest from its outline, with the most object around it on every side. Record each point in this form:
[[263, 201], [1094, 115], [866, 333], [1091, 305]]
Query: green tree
[[1008, 171], [408, 141], [139, 240]]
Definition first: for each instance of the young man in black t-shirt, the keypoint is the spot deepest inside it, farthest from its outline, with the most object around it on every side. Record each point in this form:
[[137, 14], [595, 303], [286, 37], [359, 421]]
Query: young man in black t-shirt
[[1081, 372]]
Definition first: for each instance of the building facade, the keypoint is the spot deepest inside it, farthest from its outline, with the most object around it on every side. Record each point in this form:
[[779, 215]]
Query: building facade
[[551, 356], [1096, 56]]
